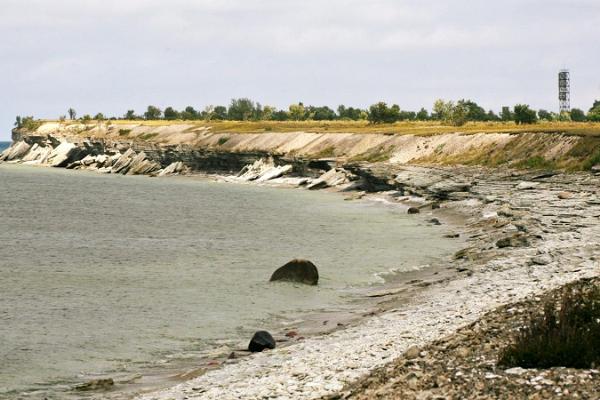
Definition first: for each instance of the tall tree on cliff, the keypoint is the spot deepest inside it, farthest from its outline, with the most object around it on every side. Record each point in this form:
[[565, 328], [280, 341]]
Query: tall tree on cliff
[[72, 113]]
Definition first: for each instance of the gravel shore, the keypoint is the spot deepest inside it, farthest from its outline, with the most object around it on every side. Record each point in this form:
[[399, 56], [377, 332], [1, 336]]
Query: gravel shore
[[527, 234]]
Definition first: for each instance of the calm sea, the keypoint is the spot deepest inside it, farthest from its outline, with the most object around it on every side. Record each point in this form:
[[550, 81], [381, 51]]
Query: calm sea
[[4, 145], [119, 276]]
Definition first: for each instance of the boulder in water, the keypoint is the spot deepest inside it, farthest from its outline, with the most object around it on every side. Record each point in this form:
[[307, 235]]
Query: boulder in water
[[300, 271], [260, 341], [413, 210]]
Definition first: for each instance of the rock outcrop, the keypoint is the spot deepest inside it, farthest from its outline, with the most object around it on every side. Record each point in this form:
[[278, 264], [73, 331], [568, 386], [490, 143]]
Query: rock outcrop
[[299, 271]]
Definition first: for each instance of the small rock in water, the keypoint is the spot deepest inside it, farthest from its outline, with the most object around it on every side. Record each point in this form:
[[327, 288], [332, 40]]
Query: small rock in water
[[300, 271], [413, 210], [435, 221], [96, 384], [260, 341], [291, 334]]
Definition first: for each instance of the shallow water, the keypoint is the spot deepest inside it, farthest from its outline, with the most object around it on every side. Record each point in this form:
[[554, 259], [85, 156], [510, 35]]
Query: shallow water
[[118, 275], [4, 145]]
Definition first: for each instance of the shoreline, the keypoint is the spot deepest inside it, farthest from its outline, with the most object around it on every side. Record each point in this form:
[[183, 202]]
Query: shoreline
[[508, 275], [528, 233]]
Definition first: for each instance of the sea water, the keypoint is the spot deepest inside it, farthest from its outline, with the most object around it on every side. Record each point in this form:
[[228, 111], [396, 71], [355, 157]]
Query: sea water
[[104, 275]]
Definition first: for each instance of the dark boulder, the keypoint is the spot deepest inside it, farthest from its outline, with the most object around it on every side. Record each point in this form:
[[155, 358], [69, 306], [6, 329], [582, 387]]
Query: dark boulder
[[413, 210], [96, 384], [260, 341], [300, 271], [435, 221]]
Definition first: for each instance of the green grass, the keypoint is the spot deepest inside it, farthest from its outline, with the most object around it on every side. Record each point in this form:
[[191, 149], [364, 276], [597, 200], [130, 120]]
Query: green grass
[[124, 132], [566, 334], [537, 162], [222, 140]]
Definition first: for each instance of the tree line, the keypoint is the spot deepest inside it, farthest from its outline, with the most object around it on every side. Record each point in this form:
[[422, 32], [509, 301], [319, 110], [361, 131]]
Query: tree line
[[448, 112]]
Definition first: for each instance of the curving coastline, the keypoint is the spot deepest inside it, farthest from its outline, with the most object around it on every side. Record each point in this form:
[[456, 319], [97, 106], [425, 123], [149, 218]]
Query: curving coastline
[[527, 233]]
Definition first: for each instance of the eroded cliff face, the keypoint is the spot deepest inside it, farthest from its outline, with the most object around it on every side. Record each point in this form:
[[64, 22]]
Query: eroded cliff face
[[147, 148]]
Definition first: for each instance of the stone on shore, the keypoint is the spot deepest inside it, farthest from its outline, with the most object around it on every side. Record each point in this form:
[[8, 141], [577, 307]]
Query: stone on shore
[[565, 195], [333, 177], [413, 210], [260, 341], [299, 271], [517, 240]]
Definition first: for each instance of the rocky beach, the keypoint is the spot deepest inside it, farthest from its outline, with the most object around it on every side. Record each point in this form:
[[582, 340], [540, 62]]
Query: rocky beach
[[527, 233]]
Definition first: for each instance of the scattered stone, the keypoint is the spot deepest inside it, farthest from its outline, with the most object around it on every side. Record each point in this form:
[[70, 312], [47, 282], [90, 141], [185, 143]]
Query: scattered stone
[[435, 221], [260, 341], [413, 210], [452, 235], [543, 259], [291, 334], [299, 271]]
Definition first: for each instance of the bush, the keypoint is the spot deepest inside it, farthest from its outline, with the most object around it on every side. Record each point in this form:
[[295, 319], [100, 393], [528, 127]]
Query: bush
[[563, 336]]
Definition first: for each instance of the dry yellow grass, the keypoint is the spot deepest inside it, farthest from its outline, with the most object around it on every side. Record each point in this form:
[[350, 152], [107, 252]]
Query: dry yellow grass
[[424, 128]]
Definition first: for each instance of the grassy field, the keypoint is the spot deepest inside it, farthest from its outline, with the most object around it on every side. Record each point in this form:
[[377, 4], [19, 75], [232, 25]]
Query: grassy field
[[424, 128]]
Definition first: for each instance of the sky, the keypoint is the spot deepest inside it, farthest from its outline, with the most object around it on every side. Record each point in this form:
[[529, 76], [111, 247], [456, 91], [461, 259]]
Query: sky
[[110, 56]]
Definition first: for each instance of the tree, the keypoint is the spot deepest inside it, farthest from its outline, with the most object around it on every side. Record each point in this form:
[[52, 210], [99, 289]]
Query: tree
[[460, 113], [381, 113], [267, 113], [491, 116], [18, 122], [524, 115], [220, 113], [594, 113], [241, 109], [130, 115], [86, 118], [152, 113], [474, 112], [297, 112], [543, 114], [506, 114], [422, 115], [171, 114], [280, 115], [577, 115], [72, 113], [323, 113], [99, 117], [349, 113], [442, 110], [189, 114]]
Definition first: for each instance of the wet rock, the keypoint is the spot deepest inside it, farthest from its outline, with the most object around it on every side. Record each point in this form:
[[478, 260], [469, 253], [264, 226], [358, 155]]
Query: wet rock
[[517, 240], [260, 341], [96, 384], [175, 168], [435, 221], [413, 210], [300, 271], [121, 165], [452, 235]]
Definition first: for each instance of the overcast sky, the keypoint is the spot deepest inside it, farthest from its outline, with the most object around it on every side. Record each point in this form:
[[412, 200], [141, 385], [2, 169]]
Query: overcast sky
[[109, 56]]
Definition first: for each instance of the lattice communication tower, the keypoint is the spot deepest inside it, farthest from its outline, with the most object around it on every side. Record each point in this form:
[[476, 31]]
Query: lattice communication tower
[[564, 90]]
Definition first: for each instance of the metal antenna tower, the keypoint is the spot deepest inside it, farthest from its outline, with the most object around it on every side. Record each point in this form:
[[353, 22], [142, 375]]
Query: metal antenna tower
[[564, 90]]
